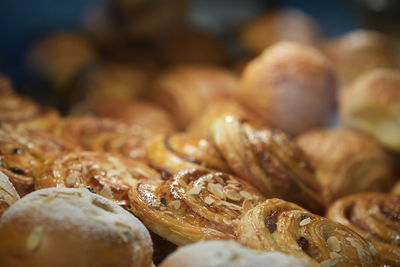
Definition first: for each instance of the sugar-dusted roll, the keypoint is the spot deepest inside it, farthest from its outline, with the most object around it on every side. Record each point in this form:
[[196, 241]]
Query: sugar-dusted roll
[[289, 86], [376, 217], [227, 253], [372, 105], [346, 162], [72, 227], [8, 194]]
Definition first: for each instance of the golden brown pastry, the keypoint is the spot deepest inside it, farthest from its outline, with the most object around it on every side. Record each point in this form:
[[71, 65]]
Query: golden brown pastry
[[277, 225], [179, 151], [357, 52], [8, 194], [193, 205], [396, 188], [376, 217], [346, 162], [227, 253], [269, 160], [278, 25], [107, 175], [71, 227], [290, 86], [372, 105], [185, 90]]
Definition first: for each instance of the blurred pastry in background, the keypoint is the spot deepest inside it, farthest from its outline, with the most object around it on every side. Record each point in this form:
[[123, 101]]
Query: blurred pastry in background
[[290, 86], [278, 25], [185, 90], [8, 194], [372, 104], [357, 52], [347, 162], [5, 85], [396, 188]]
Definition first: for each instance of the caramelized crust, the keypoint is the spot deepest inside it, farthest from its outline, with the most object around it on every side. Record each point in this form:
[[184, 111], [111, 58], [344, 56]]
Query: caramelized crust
[[277, 225], [376, 217], [193, 205]]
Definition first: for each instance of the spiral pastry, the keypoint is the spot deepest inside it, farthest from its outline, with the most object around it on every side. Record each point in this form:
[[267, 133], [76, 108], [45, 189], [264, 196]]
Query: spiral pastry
[[106, 174], [8, 195], [179, 151], [193, 205], [376, 217], [277, 225], [268, 160]]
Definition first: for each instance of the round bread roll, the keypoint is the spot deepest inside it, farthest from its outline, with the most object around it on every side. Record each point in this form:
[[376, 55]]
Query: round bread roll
[[227, 253], [372, 105], [290, 86], [71, 227], [8, 194]]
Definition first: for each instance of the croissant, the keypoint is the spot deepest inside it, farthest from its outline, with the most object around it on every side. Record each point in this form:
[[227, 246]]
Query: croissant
[[290, 86], [375, 216], [372, 105], [346, 162], [8, 194], [277, 225], [104, 173], [185, 90], [193, 205], [269, 160], [179, 151]]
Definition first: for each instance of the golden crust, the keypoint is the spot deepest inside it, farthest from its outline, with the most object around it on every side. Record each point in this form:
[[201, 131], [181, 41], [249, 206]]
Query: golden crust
[[193, 205], [375, 216], [277, 225]]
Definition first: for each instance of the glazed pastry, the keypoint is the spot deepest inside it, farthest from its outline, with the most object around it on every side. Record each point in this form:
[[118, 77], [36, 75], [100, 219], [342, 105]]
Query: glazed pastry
[[290, 86], [396, 188], [193, 205], [278, 25], [357, 52], [346, 162], [185, 90], [8, 194], [107, 175], [277, 225], [179, 151], [375, 216], [372, 105], [269, 160], [227, 253], [94, 232]]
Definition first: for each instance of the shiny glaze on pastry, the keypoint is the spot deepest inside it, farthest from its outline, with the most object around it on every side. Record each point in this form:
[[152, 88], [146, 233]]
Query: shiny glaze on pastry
[[376, 217]]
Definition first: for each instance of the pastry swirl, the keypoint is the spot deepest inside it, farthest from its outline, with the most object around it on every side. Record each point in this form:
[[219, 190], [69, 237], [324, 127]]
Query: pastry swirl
[[277, 225], [193, 205], [376, 217], [269, 160]]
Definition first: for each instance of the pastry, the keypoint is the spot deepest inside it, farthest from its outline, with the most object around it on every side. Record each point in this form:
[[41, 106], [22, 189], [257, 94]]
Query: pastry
[[277, 225], [396, 188], [71, 227], [8, 194], [346, 162], [227, 253], [290, 86], [269, 160], [372, 105], [376, 217], [193, 205]]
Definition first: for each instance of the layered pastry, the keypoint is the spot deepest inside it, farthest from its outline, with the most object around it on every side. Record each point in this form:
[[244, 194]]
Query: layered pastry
[[8, 194], [107, 175], [94, 232], [185, 90], [372, 104], [277, 225], [269, 160], [227, 253], [290, 86], [193, 205], [346, 162], [357, 52], [278, 25], [180, 151], [376, 217]]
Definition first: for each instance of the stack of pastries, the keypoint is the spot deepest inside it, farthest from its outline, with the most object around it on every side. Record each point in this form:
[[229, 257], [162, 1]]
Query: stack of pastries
[[154, 164]]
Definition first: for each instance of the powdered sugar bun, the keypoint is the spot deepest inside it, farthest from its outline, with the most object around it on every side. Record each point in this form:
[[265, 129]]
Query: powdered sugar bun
[[227, 253], [8, 195], [71, 227]]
